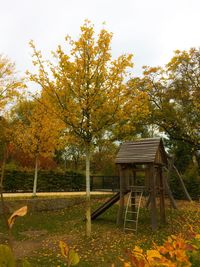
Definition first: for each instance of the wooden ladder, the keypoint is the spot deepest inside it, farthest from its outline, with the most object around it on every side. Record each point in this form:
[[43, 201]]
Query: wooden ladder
[[133, 208]]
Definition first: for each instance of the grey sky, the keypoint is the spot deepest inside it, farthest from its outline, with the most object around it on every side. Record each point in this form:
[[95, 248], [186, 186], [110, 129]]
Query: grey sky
[[151, 30]]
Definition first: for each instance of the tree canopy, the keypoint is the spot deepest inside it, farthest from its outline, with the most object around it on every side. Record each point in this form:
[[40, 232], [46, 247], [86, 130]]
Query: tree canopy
[[86, 87], [10, 84], [174, 97], [34, 132]]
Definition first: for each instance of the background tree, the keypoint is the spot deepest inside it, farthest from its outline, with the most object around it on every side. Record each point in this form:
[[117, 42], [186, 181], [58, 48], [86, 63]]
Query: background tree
[[21, 161], [5, 136], [86, 90], [184, 75], [103, 158], [4, 142], [35, 133], [134, 111], [73, 153], [10, 84], [174, 98]]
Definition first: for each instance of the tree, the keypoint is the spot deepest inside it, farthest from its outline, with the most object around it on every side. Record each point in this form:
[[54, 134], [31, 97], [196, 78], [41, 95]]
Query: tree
[[35, 133], [86, 89], [10, 85], [103, 159], [4, 144], [174, 93], [4, 141], [135, 111], [74, 153]]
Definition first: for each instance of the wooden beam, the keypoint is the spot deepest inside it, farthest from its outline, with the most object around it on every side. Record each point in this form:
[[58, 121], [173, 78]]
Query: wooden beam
[[121, 200], [152, 180], [162, 197], [182, 184]]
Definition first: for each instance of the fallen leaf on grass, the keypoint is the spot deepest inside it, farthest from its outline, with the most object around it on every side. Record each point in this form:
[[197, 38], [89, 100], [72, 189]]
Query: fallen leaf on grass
[[20, 212], [64, 249]]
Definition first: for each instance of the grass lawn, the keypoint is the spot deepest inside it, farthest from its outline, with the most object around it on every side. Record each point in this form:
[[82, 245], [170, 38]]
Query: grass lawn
[[37, 235]]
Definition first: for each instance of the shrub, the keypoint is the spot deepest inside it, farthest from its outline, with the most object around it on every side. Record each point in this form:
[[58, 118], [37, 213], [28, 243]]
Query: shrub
[[16, 181], [176, 251]]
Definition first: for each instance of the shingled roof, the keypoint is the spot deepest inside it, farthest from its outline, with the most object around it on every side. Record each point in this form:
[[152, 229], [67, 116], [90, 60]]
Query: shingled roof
[[150, 150]]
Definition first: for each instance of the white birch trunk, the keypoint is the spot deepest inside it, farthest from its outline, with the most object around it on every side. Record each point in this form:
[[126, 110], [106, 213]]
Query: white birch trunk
[[35, 177], [88, 204]]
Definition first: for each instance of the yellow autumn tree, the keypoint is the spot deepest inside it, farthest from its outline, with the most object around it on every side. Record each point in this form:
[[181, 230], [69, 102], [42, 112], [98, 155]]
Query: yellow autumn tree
[[4, 141], [86, 89], [10, 84], [35, 133]]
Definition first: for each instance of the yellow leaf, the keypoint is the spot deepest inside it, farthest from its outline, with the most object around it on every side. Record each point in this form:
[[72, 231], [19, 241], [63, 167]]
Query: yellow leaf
[[153, 254], [20, 212], [138, 250], [64, 248], [197, 236]]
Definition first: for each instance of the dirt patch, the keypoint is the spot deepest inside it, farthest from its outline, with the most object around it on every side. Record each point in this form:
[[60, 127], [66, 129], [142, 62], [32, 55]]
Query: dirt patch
[[52, 242], [34, 234], [25, 248], [39, 240]]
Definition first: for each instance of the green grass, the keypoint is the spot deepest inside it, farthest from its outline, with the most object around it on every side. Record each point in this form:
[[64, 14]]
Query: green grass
[[108, 242]]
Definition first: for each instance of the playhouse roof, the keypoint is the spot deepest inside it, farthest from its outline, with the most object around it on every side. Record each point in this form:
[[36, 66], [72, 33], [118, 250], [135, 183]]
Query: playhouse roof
[[149, 150]]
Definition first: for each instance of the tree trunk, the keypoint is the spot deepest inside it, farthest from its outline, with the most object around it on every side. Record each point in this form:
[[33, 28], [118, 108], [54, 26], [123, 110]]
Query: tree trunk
[[4, 208], [35, 177], [88, 204], [197, 158]]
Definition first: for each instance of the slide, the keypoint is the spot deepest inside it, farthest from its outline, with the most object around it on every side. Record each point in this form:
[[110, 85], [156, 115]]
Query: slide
[[106, 205]]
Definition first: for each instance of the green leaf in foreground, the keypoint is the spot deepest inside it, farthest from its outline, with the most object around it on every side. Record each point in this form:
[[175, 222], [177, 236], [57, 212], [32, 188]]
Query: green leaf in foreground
[[73, 258], [6, 257], [25, 263]]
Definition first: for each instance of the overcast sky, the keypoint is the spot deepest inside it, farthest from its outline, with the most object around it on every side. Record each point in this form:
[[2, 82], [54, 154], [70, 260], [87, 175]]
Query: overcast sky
[[150, 29]]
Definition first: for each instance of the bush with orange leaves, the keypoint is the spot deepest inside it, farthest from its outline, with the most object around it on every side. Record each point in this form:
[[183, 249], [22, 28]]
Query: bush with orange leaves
[[175, 252]]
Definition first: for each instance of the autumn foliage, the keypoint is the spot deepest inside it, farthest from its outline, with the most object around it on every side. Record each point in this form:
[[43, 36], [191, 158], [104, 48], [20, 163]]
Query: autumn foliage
[[10, 84], [175, 252], [87, 91]]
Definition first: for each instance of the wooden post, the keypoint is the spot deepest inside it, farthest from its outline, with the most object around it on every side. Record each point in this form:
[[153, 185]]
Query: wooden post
[[152, 182], [162, 196], [121, 201], [148, 201]]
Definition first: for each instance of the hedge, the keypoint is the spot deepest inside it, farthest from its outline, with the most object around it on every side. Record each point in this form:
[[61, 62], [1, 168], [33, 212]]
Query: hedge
[[51, 181], [17, 181]]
